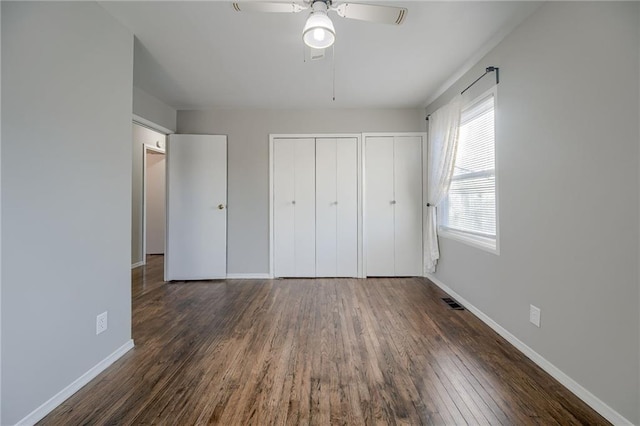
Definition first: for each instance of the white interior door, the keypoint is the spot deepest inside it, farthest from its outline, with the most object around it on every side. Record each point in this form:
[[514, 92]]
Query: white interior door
[[347, 207], [379, 203], [408, 207], [196, 245]]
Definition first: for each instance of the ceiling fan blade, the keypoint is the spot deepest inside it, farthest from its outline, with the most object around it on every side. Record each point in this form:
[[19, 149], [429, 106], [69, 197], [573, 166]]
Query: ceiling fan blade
[[372, 13], [263, 6]]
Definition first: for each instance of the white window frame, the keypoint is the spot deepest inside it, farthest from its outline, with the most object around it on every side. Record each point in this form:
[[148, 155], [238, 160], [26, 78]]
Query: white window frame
[[469, 238]]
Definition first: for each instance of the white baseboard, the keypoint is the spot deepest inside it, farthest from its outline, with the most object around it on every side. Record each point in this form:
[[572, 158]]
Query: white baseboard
[[135, 265], [590, 399], [40, 412], [258, 276]]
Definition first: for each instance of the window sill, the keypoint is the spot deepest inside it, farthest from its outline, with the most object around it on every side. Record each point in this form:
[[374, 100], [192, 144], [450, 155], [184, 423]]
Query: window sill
[[485, 244]]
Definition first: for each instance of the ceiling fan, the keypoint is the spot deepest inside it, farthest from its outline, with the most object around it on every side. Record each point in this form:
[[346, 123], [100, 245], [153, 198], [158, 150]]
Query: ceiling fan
[[318, 32]]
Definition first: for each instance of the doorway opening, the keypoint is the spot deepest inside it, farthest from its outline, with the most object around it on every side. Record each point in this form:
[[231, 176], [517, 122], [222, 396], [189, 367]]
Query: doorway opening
[[154, 201], [148, 207]]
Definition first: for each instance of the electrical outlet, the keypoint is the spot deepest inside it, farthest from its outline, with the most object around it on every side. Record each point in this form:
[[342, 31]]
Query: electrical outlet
[[101, 323], [534, 315]]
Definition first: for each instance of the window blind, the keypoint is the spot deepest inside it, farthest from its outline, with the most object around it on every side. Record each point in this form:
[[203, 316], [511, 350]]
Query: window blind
[[471, 202]]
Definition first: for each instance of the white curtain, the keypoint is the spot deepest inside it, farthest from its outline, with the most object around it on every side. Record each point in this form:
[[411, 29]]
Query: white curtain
[[444, 125]]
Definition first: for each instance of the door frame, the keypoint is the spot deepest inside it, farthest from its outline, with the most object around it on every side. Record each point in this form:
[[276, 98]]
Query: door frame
[[423, 135], [143, 122], [146, 148], [358, 137]]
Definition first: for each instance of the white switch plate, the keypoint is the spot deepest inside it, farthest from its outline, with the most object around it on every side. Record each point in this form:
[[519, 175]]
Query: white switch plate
[[534, 315], [101, 323]]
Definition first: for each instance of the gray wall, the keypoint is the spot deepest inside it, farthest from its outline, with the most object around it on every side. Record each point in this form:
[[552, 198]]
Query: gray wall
[[248, 162], [153, 109], [66, 205], [567, 158]]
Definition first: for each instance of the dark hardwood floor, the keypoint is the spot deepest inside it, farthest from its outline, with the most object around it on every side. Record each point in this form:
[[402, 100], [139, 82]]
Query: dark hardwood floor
[[148, 277], [324, 351]]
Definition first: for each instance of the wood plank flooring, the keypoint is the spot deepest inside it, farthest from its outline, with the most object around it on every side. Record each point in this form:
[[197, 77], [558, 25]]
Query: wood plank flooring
[[324, 351]]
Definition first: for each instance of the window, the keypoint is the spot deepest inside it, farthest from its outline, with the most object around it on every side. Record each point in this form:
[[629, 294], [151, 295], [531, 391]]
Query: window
[[469, 211]]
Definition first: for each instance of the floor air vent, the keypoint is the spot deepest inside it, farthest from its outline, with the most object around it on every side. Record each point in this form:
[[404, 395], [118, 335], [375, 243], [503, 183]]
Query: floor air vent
[[453, 304]]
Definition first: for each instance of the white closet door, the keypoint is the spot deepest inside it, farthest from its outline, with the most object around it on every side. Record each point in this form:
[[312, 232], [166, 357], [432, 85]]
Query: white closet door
[[408, 207], [326, 207], [305, 208], [379, 202], [283, 207], [196, 246], [347, 207]]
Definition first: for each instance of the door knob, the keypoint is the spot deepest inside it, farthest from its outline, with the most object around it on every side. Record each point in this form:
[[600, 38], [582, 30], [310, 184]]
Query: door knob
[[220, 206], [293, 202], [393, 202]]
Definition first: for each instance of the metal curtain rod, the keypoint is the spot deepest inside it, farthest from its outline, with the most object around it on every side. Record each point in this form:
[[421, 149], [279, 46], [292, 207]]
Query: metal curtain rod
[[486, 71]]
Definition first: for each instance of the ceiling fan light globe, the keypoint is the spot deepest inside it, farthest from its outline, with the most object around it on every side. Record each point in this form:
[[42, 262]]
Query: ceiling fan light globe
[[318, 31], [319, 34]]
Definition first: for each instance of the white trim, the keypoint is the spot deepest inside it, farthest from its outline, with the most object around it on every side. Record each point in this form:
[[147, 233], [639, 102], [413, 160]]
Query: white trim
[[425, 197], [166, 206], [40, 412], [360, 177], [151, 125], [363, 215], [251, 276], [146, 148], [389, 134], [590, 399], [638, 268], [470, 240], [272, 267], [312, 135], [138, 264], [144, 201]]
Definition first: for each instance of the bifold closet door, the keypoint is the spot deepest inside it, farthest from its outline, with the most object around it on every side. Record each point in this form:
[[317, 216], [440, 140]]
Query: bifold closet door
[[393, 205], [336, 207], [294, 207], [407, 190], [378, 208]]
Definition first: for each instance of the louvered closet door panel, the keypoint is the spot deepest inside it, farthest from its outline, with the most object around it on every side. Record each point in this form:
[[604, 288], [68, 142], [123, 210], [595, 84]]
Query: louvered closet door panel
[[379, 212], [408, 207], [283, 207], [347, 207], [305, 208], [326, 208]]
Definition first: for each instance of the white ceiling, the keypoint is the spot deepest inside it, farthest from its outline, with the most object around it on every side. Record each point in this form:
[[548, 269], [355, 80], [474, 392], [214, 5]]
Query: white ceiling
[[203, 54]]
